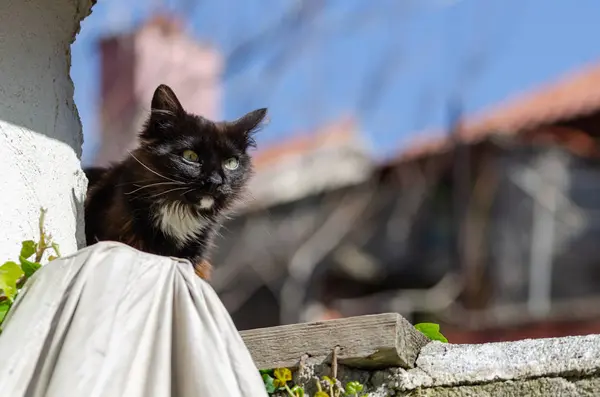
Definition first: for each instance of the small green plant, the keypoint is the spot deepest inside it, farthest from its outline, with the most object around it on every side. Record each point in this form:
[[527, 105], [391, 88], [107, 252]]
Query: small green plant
[[279, 380], [432, 331], [353, 389], [13, 275]]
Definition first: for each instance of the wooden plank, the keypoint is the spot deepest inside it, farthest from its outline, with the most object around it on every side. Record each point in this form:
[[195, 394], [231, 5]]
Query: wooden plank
[[370, 342]]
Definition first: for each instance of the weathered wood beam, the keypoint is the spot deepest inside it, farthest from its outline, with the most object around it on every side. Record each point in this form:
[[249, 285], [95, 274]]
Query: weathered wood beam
[[372, 341]]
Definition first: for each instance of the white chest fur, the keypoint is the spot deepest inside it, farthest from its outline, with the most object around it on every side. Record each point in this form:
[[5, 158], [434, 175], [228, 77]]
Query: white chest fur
[[179, 222]]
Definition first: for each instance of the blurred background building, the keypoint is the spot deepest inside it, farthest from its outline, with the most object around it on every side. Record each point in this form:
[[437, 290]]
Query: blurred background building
[[434, 158]]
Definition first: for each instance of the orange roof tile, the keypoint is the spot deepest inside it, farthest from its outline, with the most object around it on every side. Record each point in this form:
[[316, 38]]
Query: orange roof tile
[[336, 132], [574, 94]]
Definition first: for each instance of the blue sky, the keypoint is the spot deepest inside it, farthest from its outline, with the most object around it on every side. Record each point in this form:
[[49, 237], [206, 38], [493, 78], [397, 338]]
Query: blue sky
[[392, 63]]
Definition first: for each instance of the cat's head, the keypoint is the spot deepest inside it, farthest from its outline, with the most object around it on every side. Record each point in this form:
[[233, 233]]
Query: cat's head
[[188, 160]]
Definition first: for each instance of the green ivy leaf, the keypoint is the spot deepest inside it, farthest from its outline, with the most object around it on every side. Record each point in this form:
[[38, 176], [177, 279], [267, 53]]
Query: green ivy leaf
[[4, 307], [28, 266], [321, 393], [268, 381], [353, 388], [28, 248], [10, 273], [432, 331]]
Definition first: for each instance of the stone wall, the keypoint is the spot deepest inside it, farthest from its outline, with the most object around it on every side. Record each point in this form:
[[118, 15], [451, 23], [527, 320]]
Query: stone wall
[[40, 131], [537, 367], [567, 366]]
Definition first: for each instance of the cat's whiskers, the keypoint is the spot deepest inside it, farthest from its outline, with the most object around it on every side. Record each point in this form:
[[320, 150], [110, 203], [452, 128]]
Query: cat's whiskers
[[167, 191], [134, 183], [154, 172], [151, 185], [187, 191]]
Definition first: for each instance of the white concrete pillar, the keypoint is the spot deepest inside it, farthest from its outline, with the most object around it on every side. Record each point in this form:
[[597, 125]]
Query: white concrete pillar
[[40, 131]]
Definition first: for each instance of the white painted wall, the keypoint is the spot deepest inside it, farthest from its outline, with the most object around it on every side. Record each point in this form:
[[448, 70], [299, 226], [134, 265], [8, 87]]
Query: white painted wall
[[40, 131]]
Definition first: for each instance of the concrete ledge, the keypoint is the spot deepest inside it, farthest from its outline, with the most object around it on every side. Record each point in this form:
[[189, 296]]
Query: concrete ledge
[[553, 387], [537, 367], [442, 364]]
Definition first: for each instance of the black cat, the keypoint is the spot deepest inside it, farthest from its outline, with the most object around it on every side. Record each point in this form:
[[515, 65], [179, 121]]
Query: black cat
[[169, 196]]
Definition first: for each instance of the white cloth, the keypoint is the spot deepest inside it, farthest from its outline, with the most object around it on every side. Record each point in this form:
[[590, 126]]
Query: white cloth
[[111, 321]]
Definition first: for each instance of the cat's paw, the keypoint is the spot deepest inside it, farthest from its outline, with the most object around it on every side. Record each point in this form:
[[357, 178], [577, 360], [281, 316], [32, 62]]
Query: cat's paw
[[203, 270]]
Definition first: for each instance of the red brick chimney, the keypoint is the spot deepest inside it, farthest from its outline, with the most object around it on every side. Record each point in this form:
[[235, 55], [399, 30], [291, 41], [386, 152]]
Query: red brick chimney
[[134, 64]]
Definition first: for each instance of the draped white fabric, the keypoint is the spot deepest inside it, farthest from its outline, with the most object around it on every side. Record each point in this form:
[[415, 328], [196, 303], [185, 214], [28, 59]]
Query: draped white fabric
[[111, 321]]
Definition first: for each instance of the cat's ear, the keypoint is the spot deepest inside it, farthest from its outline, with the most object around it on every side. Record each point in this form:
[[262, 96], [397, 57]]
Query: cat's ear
[[165, 102], [165, 110], [246, 126]]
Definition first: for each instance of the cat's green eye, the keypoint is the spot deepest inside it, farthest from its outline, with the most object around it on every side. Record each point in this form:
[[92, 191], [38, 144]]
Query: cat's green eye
[[190, 155], [231, 163]]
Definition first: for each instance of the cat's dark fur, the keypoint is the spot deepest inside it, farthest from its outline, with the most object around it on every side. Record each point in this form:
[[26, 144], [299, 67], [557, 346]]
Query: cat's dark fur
[[151, 199]]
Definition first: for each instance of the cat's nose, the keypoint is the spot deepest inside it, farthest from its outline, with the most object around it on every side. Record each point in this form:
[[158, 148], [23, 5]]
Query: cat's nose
[[216, 179]]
